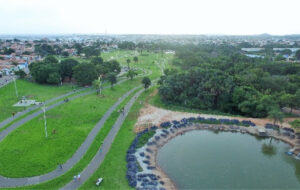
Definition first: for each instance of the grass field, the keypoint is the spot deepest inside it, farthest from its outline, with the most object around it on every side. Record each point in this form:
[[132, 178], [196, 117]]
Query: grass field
[[35, 155], [42, 162], [113, 168], [30, 90]]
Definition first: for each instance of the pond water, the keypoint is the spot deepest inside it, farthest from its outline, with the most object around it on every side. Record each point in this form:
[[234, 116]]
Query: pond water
[[209, 160]]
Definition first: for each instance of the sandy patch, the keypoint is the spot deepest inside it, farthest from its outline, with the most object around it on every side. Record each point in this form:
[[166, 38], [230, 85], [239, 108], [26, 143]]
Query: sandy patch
[[151, 115]]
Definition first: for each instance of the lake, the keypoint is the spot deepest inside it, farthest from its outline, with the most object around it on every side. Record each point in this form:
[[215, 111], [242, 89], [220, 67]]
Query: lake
[[208, 160]]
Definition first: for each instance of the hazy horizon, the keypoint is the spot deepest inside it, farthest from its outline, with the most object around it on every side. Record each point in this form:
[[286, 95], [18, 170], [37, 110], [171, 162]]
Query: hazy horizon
[[165, 17]]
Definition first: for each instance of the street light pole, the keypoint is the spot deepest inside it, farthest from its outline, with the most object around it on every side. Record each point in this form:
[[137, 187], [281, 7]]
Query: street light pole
[[15, 87], [45, 120]]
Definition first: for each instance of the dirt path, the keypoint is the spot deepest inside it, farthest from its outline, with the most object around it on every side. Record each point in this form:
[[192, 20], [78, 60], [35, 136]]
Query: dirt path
[[151, 115]]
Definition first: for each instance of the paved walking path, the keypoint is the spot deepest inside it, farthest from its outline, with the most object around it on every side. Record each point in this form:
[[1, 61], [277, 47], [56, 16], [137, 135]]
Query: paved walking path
[[5, 80], [81, 151], [103, 150], [19, 114]]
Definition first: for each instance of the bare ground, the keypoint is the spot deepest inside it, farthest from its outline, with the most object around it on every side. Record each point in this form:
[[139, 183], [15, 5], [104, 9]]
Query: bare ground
[[151, 115]]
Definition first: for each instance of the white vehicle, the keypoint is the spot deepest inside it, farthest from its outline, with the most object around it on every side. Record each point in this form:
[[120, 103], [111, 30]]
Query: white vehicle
[[99, 181]]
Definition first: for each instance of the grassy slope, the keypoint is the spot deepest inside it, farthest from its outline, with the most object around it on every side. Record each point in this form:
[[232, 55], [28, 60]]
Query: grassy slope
[[113, 168], [31, 90], [35, 155], [144, 61], [60, 181]]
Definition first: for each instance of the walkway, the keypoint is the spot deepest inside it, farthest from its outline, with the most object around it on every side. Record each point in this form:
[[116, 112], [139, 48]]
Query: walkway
[[81, 151], [103, 150], [5, 80]]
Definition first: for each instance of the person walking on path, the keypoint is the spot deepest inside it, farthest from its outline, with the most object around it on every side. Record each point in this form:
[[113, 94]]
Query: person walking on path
[[60, 166], [78, 177]]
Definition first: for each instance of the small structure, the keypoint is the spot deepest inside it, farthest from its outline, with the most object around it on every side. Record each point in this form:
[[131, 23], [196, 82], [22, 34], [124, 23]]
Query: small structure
[[262, 132], [24, 102]]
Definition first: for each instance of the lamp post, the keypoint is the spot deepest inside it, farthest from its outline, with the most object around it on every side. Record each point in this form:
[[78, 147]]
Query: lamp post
[[45, 120], [15, 87]]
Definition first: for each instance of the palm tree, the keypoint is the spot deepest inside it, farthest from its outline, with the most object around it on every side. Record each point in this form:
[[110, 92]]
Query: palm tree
[[277, 116], [128, 61]]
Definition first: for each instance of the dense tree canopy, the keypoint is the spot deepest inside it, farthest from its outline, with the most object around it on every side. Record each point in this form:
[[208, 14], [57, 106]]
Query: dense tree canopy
[[46, 71], [85, 73], [218, 77]]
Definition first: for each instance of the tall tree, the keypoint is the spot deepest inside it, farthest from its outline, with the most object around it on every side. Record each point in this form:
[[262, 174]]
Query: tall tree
[[297, 54], [276, 115], [146, 82], [85, 73], [67, 67], [128, 62], [135, 59], [131, 73], [112, 78]]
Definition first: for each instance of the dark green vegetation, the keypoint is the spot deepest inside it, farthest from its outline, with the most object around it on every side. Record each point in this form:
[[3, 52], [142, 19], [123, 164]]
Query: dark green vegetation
[[144, 138], [146, 82], [295, 124], [51, 71], [218, 78]]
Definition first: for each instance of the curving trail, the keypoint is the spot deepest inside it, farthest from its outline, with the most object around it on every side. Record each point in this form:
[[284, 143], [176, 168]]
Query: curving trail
[[15, 182], [103, 150]]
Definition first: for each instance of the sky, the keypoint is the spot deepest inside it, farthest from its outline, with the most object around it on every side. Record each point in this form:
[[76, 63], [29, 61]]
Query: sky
[[231, 17]]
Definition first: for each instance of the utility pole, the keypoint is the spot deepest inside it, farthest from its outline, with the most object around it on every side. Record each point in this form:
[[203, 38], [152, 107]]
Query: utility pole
[[15, 87], [45, 120]]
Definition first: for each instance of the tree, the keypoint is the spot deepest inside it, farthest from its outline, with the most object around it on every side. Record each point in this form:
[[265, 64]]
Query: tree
[[276, 115], [78, 48], [65, 54], [112, 78], [53, 78], [42, 70], [90, 51], [20, 73], [131, 73], [146, 82], [67, 66], [135, 59], [128, 62], [44, 50], [8, 51], [297, 54], [287, 100], [98, 85], [97, 60], [85, 73]]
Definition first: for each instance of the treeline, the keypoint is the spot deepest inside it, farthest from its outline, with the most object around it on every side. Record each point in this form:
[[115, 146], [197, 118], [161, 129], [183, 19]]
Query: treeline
[[218, 78], [51, 71]]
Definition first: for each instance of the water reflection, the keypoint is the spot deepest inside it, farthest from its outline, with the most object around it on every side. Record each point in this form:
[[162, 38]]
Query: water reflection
[[217, 160], [268, 149]]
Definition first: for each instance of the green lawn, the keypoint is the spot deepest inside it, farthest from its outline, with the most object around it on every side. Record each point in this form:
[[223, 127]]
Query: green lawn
[[67, 135], [31, 91], [35, 155], [113, 169]]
